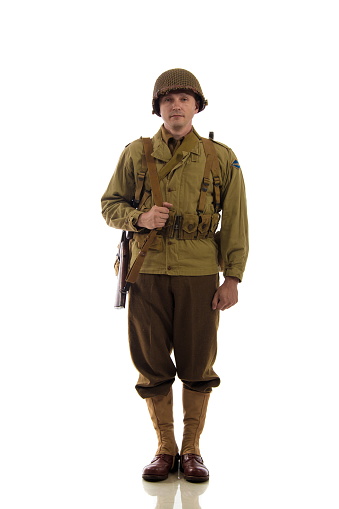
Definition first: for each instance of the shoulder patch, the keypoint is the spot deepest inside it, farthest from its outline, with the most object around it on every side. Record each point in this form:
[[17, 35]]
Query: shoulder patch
[[236, 164]]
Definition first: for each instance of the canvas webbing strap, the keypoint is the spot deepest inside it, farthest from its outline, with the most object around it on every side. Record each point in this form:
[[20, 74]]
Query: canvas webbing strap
[[153, 173], [212, 166], [187, 145], [156, 192], [140, 181], [135, 269]]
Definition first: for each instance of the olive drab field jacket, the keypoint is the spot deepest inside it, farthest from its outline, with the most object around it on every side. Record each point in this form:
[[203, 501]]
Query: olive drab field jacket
[[186, 246]]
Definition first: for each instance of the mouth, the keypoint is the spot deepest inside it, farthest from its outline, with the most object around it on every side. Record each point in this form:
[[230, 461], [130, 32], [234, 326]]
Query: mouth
[[176, 115]]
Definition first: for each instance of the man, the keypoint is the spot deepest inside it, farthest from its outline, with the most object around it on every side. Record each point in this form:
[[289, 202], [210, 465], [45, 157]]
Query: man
[[175, 302]]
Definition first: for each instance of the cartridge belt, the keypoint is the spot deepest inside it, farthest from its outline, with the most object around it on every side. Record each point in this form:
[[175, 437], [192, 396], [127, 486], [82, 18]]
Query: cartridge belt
[[190, 226]]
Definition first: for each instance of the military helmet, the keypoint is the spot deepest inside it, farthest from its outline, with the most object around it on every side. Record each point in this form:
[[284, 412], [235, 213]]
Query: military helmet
[[176, 79]]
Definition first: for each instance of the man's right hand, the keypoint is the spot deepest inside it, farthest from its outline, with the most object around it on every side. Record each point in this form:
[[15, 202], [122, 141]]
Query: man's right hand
[[156, 217]]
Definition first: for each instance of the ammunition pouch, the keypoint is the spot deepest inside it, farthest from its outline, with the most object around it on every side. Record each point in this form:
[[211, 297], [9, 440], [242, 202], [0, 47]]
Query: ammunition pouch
[[185, 227], [191, 226]]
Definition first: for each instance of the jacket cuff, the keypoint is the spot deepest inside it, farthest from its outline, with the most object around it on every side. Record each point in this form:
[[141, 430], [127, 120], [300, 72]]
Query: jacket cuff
[[234, 273], [131, 220]]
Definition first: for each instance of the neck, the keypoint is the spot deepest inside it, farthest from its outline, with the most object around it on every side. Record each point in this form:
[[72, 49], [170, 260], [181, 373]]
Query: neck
[[180, 132]]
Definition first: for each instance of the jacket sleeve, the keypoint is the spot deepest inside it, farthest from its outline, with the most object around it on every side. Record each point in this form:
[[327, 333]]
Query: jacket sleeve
[[116, 203], [234, 224]]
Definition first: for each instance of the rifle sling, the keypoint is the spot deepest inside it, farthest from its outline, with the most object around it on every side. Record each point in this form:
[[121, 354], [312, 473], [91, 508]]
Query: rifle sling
[[138, 262], [153, 173], [157, 196]]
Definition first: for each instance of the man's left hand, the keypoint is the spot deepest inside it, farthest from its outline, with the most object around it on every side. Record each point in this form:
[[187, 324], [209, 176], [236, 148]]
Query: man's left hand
[[226, 295]]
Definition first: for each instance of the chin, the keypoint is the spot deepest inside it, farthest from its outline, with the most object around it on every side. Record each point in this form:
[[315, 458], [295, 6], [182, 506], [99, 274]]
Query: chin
[[177, 124]]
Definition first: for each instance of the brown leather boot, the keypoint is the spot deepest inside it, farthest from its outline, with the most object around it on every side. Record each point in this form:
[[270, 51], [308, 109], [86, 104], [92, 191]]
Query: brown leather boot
[[160, 467], [191, 463], [166, 456], [193, 467]]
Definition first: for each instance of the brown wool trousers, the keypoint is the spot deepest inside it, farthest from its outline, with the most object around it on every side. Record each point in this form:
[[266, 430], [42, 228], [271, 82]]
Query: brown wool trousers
[[173, 314]]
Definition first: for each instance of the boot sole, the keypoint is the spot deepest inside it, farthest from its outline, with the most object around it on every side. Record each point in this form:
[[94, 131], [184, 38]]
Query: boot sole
[[191, 478], [154, 478]]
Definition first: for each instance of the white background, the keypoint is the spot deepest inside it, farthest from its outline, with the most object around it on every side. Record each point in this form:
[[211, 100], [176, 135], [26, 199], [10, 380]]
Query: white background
[[76, 87]]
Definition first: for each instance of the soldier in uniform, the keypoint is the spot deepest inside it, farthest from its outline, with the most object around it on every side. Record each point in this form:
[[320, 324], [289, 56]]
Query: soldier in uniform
[[175, 302]]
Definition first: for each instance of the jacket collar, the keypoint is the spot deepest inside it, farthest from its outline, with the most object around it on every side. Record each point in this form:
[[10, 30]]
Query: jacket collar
[[163, 153]]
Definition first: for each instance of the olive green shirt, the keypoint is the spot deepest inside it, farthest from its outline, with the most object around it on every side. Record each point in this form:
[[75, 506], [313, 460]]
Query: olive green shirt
[[172, 143], [181, 187]]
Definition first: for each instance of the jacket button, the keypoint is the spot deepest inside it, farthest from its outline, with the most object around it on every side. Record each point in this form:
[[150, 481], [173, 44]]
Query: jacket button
[[190, 227], [169, 268]]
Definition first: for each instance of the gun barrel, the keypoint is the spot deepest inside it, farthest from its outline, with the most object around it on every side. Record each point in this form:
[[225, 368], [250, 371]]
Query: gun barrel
[[120, 298], [122, 286]]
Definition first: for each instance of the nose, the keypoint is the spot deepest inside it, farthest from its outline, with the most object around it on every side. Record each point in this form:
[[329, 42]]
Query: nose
[[176, 104]]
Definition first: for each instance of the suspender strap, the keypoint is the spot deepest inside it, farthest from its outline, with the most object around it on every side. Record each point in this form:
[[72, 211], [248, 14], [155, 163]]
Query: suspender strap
[[153, 174], [205, 183], [156, 191], [140, 181], [212, 166]]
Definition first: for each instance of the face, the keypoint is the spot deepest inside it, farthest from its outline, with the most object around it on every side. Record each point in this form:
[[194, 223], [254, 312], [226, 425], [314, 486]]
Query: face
[[177, 110]]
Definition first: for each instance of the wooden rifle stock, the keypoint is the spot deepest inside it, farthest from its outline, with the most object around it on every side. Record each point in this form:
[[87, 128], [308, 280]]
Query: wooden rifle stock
[[123, 259]]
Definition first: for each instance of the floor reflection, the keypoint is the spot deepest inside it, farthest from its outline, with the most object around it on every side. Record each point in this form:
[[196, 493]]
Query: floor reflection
[[169, 492]]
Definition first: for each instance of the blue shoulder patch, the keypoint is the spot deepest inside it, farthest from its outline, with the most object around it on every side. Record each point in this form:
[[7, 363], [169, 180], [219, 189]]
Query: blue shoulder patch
[[236, 164]]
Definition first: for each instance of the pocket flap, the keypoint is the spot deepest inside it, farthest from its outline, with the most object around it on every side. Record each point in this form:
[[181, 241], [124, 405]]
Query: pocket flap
[[190, 223], [204, 224]]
